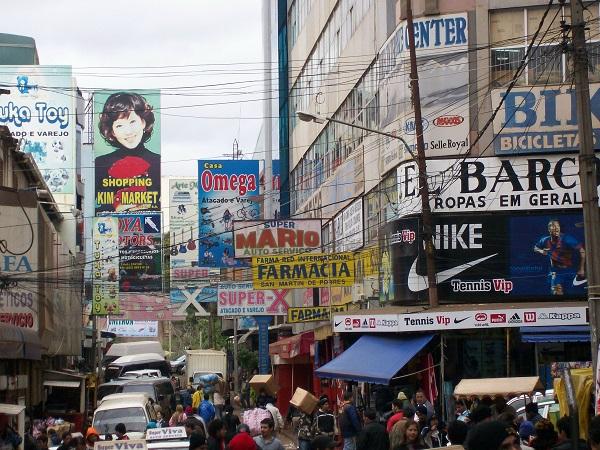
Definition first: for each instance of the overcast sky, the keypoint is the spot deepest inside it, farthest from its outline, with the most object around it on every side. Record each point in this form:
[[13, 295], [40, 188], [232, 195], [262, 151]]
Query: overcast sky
[[141, 41]]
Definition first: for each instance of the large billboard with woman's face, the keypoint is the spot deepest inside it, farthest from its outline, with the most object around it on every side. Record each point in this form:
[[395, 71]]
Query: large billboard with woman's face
[[127, 151]]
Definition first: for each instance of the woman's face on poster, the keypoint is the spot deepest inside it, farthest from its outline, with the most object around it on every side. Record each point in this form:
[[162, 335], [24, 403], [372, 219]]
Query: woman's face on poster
[[129, 130]]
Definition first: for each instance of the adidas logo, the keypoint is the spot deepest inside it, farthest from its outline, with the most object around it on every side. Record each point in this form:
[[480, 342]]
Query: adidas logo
[[515, 318]]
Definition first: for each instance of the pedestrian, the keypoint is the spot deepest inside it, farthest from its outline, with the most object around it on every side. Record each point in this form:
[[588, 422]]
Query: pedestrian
[[421, 399], [178, 417], [564, 440], [491, 435], [91, 436], [461, 410], [277, 417], [349, 422], [231, 421], [434, 434], [196, 398], [194, 425], [206, 410], [160, 420], [245, 395], [500, 407], [78, 443], [121, 432], [481, 413], [65, 443], [41, 442], [594, 433], [219, 403], [421, 417], [323, 443], [324, 423], [412, 438], [216, 435], [531, 413], [242, 440], [266, 440], [263, 398], [197, 441], [457, 432], [373, 435], [186, 396], [545, 435], [175, 382], [396, 434], [305, 430], [397, 414]]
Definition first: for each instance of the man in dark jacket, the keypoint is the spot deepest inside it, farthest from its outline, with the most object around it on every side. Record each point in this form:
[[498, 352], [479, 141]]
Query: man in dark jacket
[[563, 426], [373, 436], [349, 422]]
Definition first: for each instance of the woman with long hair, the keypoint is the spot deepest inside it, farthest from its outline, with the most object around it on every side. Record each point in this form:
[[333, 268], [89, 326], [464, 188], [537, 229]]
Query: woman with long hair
[[412, 438]]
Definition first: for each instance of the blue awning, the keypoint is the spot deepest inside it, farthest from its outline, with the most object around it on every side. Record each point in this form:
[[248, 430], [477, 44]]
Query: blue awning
[[567, 333], [374, 359]]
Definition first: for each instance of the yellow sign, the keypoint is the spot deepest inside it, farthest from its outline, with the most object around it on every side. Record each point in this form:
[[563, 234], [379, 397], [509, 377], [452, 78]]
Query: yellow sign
[[303, 271], [367, 263], [313, 313]]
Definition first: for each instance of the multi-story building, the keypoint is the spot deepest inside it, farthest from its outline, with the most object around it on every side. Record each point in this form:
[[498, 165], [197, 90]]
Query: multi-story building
[[502, 172]]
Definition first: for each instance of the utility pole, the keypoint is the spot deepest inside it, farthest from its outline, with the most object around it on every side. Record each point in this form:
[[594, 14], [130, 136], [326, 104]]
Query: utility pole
[[587, 173], [427, 231], [236, 374], [267, 109]]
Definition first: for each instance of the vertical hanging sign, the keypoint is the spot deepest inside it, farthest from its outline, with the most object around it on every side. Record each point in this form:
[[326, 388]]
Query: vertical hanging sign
[[105, 267]]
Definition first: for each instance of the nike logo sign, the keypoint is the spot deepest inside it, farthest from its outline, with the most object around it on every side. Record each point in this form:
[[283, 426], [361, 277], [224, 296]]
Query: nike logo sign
[[459, 320], [337, 324], [417, 283]]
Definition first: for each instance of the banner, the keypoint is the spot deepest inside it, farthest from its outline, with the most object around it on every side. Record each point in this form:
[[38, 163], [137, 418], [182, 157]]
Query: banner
[[140, 253], [540, 119], [490, 258], [492, 184], [19, 305], [348, 227], [241, 299], [302, 271], [476, 319], [40, 109], [105, 266], [127, 150], [313, 313], [276, 237], [133, 328], [227, 191], [130, 444]]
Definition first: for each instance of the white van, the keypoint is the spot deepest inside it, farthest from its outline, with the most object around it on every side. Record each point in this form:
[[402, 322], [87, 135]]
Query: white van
[[131, 348], [131, 363], [134, 410]]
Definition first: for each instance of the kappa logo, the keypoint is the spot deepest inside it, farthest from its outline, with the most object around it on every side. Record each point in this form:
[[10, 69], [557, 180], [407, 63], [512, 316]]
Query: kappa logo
[[529, 316], [515, 318]]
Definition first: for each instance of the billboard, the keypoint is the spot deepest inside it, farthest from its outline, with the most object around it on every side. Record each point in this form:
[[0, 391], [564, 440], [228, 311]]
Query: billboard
[[313, 313], [483, 318], [105, 266], [348, 227], [127, 151], [490, 258], [444, 91], [276, 237], [493, 184], [19, 305], [303, 271], [241, 299], [227, 191], [40, 109], [540, 119], [133, 328], [140, 253]]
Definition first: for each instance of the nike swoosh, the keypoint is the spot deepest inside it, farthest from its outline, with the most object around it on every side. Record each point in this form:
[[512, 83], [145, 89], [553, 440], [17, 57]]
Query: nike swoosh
[[337, 324], [579, 282], [418, 282], [459, 320]]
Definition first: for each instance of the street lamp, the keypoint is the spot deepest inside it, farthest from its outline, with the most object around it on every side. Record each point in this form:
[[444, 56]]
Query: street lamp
[[424, 188], [310, 117]]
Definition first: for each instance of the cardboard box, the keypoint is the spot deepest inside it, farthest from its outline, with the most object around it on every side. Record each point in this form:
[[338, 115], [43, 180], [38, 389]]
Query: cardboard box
[[304, 401], [266, 382]]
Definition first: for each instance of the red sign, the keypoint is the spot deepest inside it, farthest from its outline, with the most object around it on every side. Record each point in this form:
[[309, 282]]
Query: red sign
[[498, 318], [529, 317]]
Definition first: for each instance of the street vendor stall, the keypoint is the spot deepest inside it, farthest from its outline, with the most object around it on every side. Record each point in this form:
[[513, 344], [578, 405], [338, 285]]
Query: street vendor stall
[[583, 385], [65, 399], [16, 415], [494, 387]]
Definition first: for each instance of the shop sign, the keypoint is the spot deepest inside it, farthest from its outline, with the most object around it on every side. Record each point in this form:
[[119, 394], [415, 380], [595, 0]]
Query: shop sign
[[228, 190], [348, 227], [540, 119], [131, 444], [133, 328], [241, 299], [493, 184], [313, 313], [159, 434], [491, 258], [276, 237], [302, 271], [105, 265], [463, 320]]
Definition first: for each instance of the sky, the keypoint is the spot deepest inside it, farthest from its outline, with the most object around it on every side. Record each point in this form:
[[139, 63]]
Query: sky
[[128, 44]]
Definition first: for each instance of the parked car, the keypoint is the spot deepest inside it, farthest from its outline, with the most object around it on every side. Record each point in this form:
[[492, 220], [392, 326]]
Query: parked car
[[134, 410], [143, 373], [142, 361], [159, 390], [112, 387], [178, 365]]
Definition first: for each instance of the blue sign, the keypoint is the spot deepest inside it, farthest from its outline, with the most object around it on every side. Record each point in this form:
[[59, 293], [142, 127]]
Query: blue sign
[[227, 191], [264, 361]]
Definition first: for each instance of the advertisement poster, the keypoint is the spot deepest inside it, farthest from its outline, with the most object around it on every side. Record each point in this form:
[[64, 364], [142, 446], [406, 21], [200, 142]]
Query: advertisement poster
[[540, 119], [140, 253], [40, 109], [133, 328], [493, 184], [491, 258], [348, 227], [187, 278], [303, 271], [227, 191], [105, 266], [19, 306], [241, 299], [127, 151], [313, 313], [444, 90], [276, 237]]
